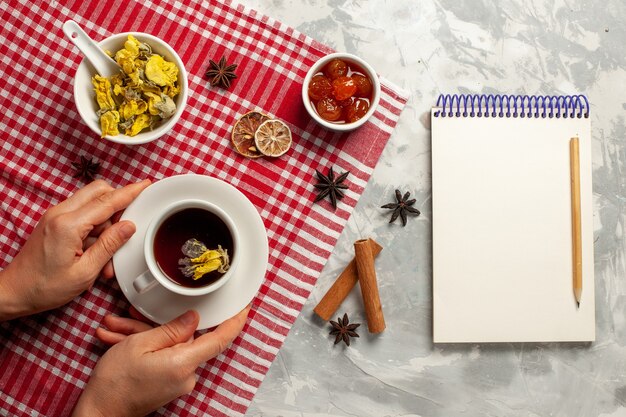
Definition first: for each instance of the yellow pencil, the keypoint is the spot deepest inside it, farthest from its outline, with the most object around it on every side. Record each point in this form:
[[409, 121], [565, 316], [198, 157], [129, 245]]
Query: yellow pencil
[[576, 232]]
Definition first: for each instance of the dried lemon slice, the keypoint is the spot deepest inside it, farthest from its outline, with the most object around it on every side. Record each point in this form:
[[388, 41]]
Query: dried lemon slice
[[243, 133], [273, 138]]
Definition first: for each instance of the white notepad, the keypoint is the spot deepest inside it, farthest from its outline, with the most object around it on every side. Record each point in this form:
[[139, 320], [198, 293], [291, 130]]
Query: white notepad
[[502, 231]]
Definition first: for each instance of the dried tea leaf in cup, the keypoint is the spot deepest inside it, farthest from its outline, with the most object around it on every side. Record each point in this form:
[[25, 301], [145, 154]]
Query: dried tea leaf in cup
[[200, 260]]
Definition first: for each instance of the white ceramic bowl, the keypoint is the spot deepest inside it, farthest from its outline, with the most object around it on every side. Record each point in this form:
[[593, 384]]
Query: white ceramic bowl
[[84, 96], [317, 67]]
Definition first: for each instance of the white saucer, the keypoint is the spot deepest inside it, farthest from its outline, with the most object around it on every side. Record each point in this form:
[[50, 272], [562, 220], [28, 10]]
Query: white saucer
[[161, 305]]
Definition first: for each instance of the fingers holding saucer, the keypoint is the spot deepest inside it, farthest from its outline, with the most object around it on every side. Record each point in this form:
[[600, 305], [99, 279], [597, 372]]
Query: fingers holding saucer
[[118, 328]]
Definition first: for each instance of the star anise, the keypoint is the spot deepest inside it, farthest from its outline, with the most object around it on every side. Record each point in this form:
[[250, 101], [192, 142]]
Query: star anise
[[220, 73], [402, 207], [343, 330], [85, 169], [330, 186]]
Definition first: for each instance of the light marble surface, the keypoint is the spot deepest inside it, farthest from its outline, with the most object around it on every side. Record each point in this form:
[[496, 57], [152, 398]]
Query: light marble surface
[[429, 47]]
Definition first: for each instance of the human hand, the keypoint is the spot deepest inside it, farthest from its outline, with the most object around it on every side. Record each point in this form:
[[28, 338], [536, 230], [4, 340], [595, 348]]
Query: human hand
[[71, 245], [149, 367]]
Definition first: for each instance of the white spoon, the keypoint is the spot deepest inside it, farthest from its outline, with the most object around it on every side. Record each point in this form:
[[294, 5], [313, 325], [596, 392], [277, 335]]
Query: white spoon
[[104, 65]]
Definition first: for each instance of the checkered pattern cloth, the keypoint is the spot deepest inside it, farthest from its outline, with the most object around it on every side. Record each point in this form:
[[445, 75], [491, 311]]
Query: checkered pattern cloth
[[46, 359]]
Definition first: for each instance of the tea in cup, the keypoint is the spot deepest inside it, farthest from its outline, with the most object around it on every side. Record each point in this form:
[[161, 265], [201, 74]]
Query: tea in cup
[[190, 248]]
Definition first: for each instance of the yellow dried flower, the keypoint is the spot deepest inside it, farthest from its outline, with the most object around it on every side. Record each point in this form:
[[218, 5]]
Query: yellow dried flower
[[199, 260], [108, 123], [131, 108], [141, 122], [102, 87], [141, 95], [161, 72]]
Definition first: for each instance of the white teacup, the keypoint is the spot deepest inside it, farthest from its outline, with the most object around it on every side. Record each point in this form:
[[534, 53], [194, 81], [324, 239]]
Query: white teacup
[[155, 275]]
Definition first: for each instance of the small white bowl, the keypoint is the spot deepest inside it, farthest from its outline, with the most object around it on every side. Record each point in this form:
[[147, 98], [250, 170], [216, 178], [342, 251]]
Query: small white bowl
[[317, 67], [84, 95]]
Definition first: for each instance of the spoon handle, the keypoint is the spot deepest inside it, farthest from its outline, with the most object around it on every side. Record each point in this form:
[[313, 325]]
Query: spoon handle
[[104, 65]]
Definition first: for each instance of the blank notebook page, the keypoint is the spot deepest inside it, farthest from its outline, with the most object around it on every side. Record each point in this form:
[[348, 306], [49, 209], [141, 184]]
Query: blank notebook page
[[502, 231]]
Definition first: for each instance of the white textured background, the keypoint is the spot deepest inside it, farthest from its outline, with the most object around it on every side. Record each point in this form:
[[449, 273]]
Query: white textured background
[[429, 47]]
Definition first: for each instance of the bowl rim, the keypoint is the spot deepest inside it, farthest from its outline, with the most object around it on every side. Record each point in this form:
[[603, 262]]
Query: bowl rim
[[148, 136], [315, 68]]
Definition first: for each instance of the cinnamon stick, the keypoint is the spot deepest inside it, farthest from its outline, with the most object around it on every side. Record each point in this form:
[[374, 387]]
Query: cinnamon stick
[[342, 286], [369, 287]]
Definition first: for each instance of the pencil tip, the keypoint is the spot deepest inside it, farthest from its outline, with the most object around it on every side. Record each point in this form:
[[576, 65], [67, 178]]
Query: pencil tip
[[577, 304]]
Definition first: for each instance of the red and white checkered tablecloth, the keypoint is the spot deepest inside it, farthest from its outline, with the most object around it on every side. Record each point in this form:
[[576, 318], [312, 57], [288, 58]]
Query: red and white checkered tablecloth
[[46, 359]]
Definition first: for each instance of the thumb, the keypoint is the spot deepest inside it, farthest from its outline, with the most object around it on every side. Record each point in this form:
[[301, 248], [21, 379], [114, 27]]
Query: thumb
[[169, 334], [109, 241], [211, 344]]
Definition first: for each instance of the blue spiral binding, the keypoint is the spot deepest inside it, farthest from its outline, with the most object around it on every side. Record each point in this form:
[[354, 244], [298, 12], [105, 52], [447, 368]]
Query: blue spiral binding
[[481, 105]]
